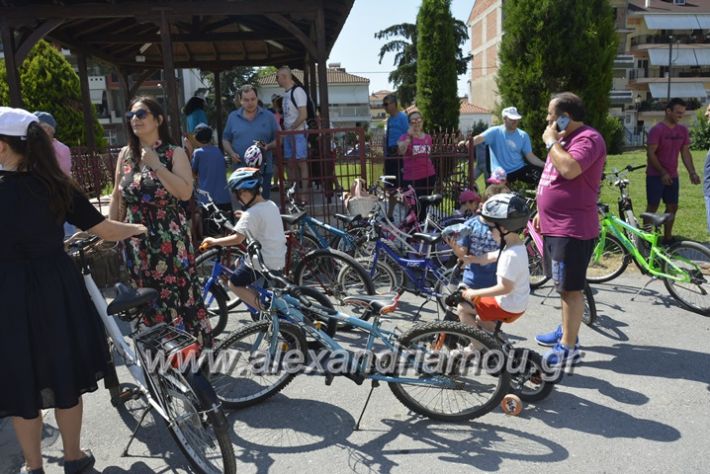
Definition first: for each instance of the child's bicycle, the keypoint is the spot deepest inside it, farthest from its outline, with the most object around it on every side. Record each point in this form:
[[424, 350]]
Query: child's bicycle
[[181, 395], [529, 379], [443, 370]]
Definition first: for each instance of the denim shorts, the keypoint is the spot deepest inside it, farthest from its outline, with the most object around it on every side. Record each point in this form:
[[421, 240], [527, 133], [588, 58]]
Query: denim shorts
[[295, 144], [656, 190], [244, 275]]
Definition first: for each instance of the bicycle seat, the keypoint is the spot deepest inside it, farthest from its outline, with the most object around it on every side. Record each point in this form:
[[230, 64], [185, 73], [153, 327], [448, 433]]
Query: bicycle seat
[[129, 298], [428, 238], [347, 219], [432, 199], [656, 219], [373, 302], [292, 219]]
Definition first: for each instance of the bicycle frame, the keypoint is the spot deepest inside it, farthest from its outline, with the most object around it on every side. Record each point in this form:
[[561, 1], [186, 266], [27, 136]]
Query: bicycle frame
[[611, 223]]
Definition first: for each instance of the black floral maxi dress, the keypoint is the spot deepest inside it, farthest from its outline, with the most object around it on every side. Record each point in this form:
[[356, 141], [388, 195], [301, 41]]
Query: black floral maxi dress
[[164, 258]]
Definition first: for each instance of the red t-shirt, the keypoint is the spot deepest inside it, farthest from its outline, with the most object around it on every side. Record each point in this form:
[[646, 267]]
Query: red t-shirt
[[670, 141], [568, 207], [416, 162]]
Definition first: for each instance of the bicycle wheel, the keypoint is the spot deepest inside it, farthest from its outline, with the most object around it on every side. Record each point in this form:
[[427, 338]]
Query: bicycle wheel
[[335, 274], [305, 246], [471, 382], [204, 263], [535, 264], [216, 304], [691, 266], [315, 296], [609, 260], [447, 285], [383, 278], [195, 419], [590, 306], [247, 371], [527, 377]]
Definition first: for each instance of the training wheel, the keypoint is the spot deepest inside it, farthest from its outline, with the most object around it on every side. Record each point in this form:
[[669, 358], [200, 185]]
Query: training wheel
[[511, 405]]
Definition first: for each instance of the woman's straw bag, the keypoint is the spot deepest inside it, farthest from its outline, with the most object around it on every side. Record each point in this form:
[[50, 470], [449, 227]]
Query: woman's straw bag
[[359, 202]]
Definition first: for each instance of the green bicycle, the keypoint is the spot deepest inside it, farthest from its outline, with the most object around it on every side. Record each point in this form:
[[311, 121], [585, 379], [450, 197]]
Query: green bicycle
[[684, 267]]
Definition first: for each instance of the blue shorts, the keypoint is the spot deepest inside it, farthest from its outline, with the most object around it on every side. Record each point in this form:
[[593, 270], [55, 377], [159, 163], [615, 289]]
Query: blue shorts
[[299, 143], [656, 190], [244, 275]]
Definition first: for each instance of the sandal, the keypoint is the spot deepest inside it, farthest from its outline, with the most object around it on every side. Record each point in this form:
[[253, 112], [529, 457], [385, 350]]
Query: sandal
[[80, 465], [26, 470]]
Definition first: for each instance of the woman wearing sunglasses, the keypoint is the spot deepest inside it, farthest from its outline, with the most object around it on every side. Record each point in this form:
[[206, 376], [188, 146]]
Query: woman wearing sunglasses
[[152, 176]]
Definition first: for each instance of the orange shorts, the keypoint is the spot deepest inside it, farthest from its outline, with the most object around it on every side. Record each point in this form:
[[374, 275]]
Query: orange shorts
[[488, 309]]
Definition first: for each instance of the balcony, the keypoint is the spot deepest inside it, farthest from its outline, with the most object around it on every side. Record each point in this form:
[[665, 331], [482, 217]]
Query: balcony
[[682, 38]]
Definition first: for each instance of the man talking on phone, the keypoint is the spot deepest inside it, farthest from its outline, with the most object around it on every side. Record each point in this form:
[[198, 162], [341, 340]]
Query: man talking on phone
[[567, 216]]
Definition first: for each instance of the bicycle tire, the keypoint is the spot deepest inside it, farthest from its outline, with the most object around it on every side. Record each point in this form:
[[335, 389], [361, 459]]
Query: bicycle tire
[[217, 309], [449, 284], [531, 372], [589, 316], [304, 247], [197, 396], [697, 271], [535, 264], [612, 261], [447, 338], [333, 273], [203, 266], [321, 300], [248, 390], [383, 277]]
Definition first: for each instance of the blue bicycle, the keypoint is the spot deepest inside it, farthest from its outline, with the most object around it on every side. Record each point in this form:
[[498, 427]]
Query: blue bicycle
[[444, 370]]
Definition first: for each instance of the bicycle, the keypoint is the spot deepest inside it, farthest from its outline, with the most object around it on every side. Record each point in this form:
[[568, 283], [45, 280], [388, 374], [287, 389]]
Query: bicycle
[[182, 397], [684, 266], [613, 252], [470, 382]]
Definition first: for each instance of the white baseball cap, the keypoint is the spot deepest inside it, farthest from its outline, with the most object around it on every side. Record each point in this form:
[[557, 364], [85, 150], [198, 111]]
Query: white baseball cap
[[511, 113], [14, 122]]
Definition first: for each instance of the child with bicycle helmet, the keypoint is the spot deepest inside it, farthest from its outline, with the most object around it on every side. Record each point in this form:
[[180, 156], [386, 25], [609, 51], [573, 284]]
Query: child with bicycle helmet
[[506, 215], [259, 220]]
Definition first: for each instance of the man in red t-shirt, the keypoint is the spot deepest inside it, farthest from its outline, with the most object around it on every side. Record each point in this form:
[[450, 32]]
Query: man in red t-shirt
[[567, 216], [666, 140]]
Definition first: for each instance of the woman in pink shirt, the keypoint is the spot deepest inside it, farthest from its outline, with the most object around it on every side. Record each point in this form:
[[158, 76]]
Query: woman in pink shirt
[[415, 146]]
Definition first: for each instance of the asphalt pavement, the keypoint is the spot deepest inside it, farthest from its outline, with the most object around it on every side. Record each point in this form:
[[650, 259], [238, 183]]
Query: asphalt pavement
[[640, 402]]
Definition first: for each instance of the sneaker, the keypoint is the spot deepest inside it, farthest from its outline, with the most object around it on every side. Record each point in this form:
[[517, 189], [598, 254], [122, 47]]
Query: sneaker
[[549, 339], [80, 465], [27, 470], [562, 355]]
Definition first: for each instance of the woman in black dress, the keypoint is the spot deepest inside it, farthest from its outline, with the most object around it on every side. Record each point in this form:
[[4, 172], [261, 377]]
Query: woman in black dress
[[50, 329]]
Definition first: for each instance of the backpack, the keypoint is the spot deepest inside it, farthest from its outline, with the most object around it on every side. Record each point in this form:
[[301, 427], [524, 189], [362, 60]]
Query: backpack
[[311, 121]]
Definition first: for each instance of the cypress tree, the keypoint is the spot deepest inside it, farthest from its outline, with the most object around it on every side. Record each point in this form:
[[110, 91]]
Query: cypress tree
[[437, 97]]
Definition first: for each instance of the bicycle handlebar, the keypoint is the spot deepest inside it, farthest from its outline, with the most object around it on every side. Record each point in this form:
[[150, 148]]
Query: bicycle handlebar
[[618, 173], [81, 240]]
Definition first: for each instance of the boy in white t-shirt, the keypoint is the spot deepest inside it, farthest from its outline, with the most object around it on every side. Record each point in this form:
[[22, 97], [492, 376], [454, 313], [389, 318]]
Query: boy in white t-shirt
[[260, 219], [506, 214]]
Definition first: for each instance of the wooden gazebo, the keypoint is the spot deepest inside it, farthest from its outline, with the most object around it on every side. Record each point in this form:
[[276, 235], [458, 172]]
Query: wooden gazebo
[[138, 37]]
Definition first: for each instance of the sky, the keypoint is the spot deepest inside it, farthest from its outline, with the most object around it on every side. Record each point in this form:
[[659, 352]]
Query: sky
[[357, 50]]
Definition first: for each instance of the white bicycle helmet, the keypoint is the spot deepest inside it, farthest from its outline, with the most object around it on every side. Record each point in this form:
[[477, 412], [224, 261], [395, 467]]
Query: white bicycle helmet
[[253, 157], [508, 210]]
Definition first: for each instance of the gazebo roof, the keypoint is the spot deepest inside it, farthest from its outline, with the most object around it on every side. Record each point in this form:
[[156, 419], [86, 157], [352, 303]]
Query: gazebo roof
[[210, 35]]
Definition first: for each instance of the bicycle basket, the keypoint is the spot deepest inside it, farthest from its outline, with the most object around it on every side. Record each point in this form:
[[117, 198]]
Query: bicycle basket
[[166, 342], [361, 206], [105, 259]]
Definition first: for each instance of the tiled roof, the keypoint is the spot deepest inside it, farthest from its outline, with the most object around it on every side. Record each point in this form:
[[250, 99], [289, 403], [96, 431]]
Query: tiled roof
[[468, 108], [335, 76], [379, 95]]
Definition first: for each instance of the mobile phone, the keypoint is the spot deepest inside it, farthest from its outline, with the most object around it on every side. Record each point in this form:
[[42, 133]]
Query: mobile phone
[[562, 123]]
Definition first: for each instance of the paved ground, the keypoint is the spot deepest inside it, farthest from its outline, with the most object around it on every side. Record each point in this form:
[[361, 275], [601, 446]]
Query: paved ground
[[639, 403]]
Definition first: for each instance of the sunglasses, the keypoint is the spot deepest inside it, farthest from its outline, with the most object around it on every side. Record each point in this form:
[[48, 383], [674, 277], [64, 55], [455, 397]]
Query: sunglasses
[[139, 114]]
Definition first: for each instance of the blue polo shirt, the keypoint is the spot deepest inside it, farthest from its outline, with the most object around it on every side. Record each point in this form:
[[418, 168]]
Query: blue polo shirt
[[508, 149], [241, 133], [396, 127], [208, 162]]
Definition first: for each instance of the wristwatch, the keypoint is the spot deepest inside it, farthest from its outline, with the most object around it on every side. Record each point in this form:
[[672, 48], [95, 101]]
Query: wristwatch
[[550, 145]]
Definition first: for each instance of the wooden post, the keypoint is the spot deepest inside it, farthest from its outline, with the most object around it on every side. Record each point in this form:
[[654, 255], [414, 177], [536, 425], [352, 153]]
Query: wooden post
[[86, 102], [218, 106], [169, 75], [13, 77]]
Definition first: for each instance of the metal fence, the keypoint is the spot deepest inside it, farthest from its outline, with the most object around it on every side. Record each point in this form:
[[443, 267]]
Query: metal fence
[[94, 171]]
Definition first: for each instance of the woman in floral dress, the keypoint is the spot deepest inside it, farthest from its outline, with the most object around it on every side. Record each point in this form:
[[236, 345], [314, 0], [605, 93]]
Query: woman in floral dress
[[152, 177]]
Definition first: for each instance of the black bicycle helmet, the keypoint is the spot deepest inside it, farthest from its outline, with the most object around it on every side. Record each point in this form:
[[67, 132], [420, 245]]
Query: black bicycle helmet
[[507, 210]]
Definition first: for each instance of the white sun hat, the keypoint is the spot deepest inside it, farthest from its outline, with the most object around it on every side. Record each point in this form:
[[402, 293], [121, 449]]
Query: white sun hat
[[14, 122]]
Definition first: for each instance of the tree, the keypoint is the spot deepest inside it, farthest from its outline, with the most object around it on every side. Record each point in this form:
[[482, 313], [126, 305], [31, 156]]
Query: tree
[[700, 132], [230, 82], [49, 83], [552, 46], [437, 96], [404, 76]]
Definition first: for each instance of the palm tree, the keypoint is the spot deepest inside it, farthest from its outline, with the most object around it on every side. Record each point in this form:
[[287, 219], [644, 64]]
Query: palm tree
[[404, 76]]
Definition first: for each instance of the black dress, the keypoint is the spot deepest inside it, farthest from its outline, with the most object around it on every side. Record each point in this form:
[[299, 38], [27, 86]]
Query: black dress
[[52, 342]]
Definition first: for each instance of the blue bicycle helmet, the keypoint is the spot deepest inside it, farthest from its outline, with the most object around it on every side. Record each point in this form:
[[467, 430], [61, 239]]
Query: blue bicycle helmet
[[245, 178]]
